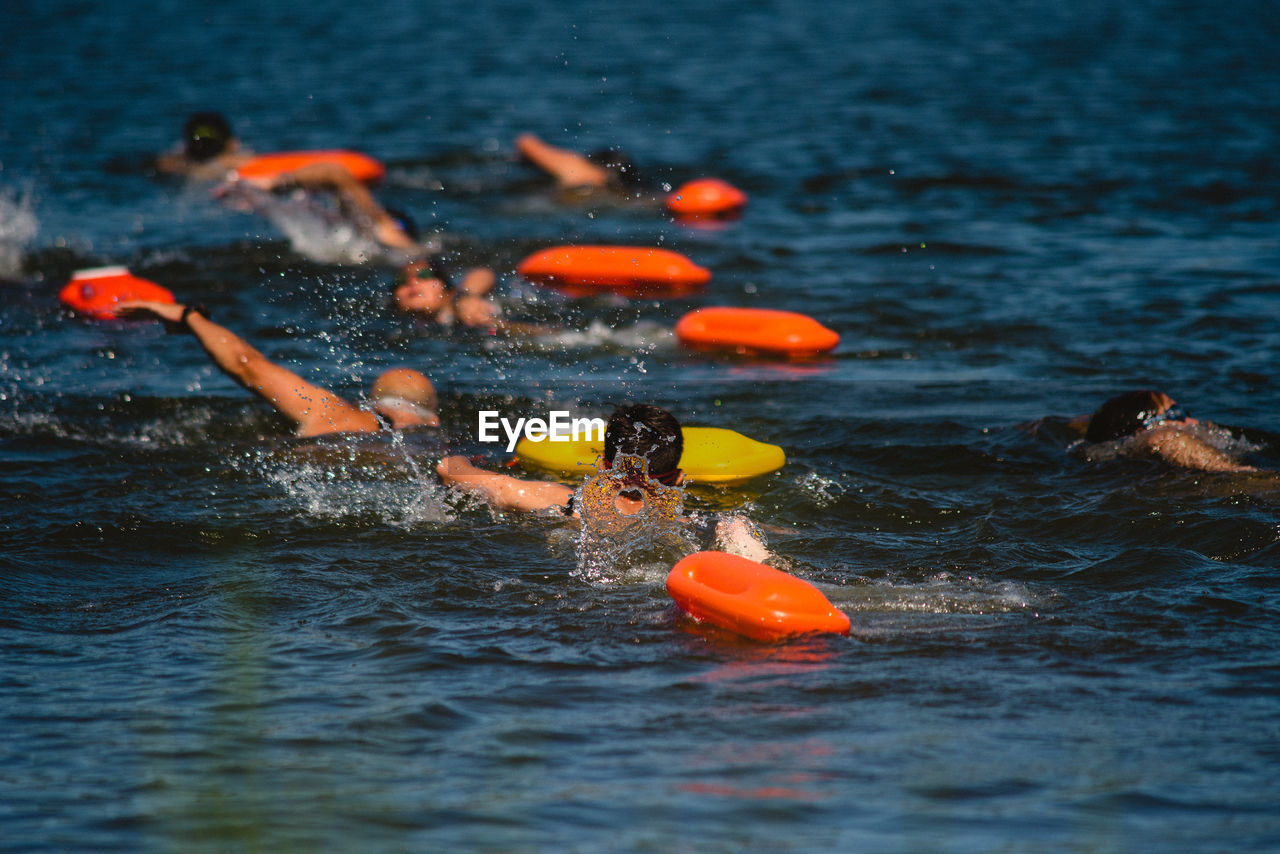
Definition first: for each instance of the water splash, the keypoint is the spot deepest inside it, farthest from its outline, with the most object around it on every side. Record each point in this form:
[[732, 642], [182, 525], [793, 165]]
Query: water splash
[[18, 227], [614, 546], [315, 228], [644, 336], [822, 491], [1213, 435], [374, 479]]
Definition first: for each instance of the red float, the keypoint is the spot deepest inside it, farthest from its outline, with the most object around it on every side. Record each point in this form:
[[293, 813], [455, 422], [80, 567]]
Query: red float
[[362, 166], [96, 292], [750, 598], [627, 270], [756, 331], [706, 197]]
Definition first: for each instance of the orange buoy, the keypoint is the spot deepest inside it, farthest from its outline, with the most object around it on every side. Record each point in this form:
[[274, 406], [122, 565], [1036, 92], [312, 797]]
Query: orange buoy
[[629, 270], [706, 197], [756, 330], [750, 598], [96, 292], [362, 166]]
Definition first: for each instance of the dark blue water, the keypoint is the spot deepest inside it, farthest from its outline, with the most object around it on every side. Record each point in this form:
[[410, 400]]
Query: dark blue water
[[213, 637]]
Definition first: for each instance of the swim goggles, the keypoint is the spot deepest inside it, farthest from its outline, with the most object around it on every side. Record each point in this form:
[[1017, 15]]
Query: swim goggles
[[434, 269], [1173, 413]]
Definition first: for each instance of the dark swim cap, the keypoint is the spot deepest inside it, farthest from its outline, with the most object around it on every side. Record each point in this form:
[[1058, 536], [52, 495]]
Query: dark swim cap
[[1123, 415], [641, 430], [404, 222], [620, 166], [206, 135]]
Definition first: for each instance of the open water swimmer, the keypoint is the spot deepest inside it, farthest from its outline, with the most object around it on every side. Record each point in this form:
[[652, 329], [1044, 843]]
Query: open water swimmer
[[648, 442], [1150, 424], [401, 398], [946, 236]]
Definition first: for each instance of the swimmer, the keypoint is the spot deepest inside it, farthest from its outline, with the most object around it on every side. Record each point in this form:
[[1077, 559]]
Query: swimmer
[[211, 152], [426, 288], [392, 229], [1150, 423], [609, 168], [636, 431], [402, 398], [209, 149]]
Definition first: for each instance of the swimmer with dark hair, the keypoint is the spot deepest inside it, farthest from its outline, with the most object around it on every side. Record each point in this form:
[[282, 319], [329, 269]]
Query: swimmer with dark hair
[[209, 149], [211, 152], [609, 168], [642, 449], [640, 430], [426, 288], [1150, 423]]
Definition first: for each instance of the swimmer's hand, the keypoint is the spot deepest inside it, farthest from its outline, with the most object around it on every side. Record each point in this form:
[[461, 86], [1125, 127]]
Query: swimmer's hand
[[166, 311], [736, 536], [478, 281], [475, 311], [456, 467]]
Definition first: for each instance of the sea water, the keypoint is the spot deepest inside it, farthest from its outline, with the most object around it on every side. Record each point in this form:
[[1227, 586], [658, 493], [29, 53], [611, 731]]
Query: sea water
[[214, 637]]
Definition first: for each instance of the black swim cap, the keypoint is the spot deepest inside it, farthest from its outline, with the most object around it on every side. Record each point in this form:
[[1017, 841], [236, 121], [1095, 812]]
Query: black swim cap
[[404, 222], [206, 135], [620, 166], [641, 430], [1123, 415]]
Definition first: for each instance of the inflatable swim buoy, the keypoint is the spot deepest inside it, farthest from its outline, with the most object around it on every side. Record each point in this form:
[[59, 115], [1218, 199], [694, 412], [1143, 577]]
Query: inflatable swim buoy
[[629, 270], [706, 197], [96, 292], [756, 330], [362, 166], [750, 598], [711, 455]]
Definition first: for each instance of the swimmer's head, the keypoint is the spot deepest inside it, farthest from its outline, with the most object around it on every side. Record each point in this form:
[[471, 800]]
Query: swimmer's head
[[405, 391], [419, 289], [404, 222], [206, 135], [622, 169], [1128, 413], [641, 430]]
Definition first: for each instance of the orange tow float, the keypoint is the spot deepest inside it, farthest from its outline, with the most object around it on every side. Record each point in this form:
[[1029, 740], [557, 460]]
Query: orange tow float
[[750, 598], [756, 330], [97, 291], [627, 270], [709, 198], [361, 166]]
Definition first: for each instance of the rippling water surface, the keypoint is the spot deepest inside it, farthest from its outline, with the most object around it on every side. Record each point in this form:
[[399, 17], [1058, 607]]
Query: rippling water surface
[[214, 637]]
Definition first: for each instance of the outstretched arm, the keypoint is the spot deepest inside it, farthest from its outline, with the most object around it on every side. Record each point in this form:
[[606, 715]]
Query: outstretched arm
[[569, 168], [313, 409], [353, 192], [502, 491], [1176, 446], [736, 535]]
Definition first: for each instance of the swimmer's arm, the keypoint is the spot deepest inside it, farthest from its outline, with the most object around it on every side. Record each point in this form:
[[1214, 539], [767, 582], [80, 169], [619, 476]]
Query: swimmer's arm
[[313, 409], [471, 305], [335, 177], [1181, 449], [478, 282], [171, 163], [734, 535], [502, 491], [177, 163], [475, 311], [568, 167]]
